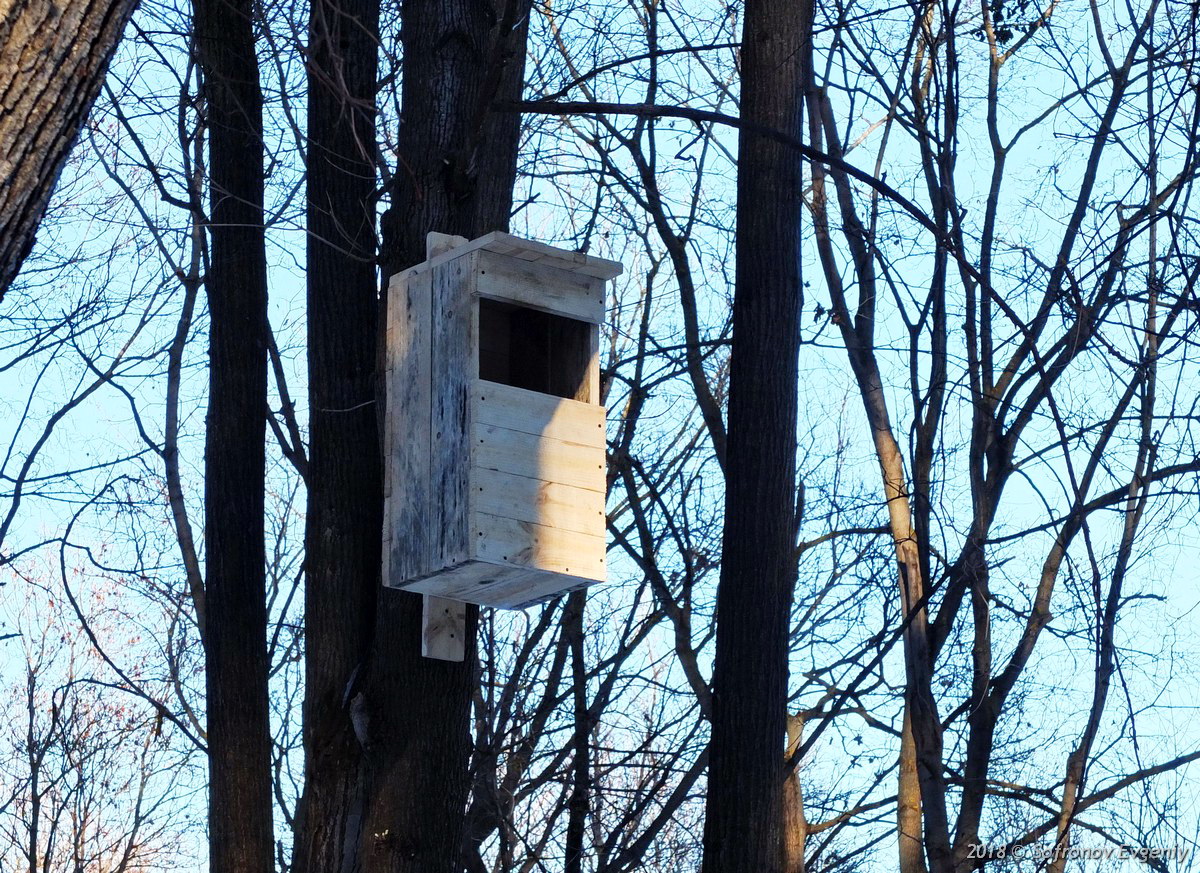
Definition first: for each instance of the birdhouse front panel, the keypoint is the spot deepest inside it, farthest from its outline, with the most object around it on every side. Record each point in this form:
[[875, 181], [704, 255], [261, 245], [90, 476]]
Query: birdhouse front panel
[[495, 433]]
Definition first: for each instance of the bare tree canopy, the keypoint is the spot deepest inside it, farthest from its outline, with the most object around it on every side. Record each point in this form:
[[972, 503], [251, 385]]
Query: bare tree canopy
[[901, 456]]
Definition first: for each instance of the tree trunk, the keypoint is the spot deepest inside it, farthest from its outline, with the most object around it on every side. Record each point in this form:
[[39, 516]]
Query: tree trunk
[[458, 158], [344, 479], [578, 804], [53, 57], [743, 830], [920, 789], [455, 175], [386, 735], [241, 836], [795, 824]]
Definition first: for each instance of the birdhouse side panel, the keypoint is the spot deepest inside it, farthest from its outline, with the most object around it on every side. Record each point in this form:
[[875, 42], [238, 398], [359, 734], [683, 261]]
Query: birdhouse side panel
[[538, 481], [454, 332], [408, 499]]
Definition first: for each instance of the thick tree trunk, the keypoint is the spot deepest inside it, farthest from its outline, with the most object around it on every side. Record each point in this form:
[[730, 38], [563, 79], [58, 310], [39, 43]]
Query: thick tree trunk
[[239, 739], [342, 542], [53, 57], [743, 830], [387, 743], [455, 175], [458, 159]]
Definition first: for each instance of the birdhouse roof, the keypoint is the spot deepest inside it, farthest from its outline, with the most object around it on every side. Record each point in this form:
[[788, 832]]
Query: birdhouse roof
[[502, 243]]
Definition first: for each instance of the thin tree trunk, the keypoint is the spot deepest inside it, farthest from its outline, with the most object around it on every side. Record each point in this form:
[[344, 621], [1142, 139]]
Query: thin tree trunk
[[578, 803], [240, 802], [910, 831], [1075, 780], [921, 808], [344, 478], [743, 830], [53, 57], [795, 824], [34, 752]]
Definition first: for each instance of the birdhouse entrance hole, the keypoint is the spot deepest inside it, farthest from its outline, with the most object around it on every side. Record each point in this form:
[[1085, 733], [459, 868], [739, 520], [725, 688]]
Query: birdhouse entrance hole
[[535, 350]]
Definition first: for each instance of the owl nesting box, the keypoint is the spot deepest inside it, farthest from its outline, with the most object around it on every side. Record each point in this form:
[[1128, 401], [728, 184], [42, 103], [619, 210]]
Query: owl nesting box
[[495, 431]]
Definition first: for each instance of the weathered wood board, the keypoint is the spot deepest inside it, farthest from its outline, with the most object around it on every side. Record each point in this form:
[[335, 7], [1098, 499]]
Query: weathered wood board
[[453, 362], [501, 587], [538, 501], [530, 412], [408, 499], [443, 628], [527, 250], [539, 457], [525, 544], [540, 287]]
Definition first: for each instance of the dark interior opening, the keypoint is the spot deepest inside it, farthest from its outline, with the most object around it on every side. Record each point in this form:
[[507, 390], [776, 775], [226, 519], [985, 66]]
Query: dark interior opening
[[534, 350]]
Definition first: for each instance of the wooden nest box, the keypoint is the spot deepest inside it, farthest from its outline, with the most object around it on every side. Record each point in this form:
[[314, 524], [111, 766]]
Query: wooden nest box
[[494, 438]]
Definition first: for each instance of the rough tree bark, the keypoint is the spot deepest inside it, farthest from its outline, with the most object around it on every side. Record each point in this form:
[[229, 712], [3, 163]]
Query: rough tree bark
[[342, 537], [743, 831], [239, 739], [53, 57]]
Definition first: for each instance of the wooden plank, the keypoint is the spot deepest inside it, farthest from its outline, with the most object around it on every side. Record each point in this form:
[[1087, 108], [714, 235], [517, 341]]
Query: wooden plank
[[538, 588], [440, 243], [498, 246], [600, 268], [537, 286], [538, 594], [498, 586], [508, 541], [453, 365], [563, 259], [546, 503], [473, 582], [539, 414], [592, 379], [443, 628], [408, 499], [538, 457]]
